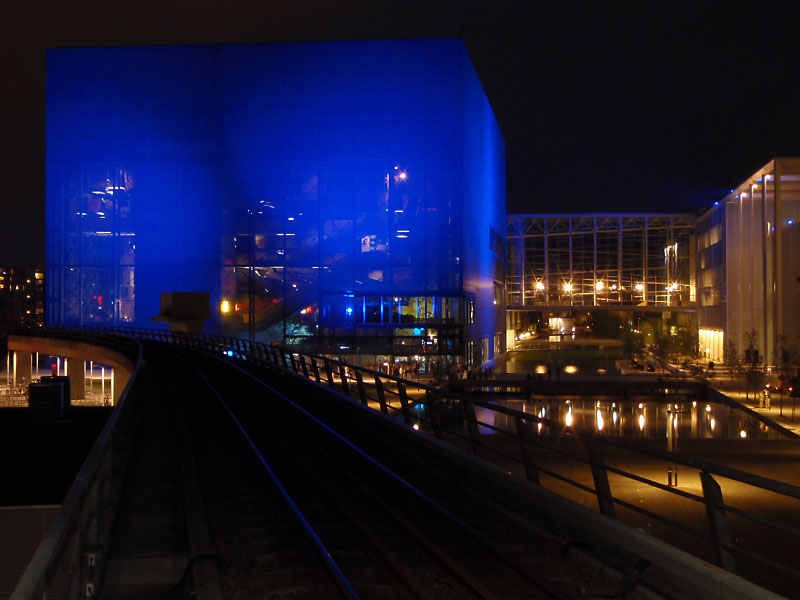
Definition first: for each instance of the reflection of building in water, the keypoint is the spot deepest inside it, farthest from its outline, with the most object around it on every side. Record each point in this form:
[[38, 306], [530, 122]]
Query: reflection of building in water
[[641, 417], [748, 251], [345, 197]]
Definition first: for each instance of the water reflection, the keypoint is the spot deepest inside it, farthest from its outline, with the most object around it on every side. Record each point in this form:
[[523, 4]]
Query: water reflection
[[638, 418]]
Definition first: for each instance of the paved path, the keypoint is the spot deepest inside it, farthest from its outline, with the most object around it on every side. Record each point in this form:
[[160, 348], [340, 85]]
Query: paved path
[[783, 410]]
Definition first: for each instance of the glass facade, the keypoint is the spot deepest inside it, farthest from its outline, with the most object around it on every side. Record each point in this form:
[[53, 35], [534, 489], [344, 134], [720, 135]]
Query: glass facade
[[594, 260], [326, 194], [748, 249]]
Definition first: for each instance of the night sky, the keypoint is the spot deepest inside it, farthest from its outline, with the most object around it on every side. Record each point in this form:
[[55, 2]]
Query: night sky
[[605, 106]]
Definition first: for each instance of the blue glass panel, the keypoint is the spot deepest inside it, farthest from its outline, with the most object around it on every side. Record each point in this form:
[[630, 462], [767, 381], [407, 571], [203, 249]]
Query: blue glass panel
[[292, 174]]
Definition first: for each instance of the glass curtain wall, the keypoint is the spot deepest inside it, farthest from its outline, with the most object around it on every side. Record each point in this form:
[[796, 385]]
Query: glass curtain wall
[[574, 260], [320, 192], [91, 251]]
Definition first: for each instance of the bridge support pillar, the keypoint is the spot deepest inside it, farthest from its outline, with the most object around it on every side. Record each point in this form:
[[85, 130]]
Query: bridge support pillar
[[119, 379], [76, 369], [22, 366]]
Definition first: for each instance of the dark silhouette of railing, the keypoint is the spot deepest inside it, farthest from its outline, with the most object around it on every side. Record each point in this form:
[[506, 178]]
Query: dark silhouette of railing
[[73, 553], [520, 442]]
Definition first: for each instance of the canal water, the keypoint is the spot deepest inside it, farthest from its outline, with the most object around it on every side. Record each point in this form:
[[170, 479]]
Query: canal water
[[636, 417], [668, 416]]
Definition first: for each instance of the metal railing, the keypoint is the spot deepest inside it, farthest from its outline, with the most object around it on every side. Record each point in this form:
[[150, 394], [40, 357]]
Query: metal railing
[[73, 554], [525, 444]]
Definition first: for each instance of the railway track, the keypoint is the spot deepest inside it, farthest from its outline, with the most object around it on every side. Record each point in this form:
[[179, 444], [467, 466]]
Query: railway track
[[304, 501]]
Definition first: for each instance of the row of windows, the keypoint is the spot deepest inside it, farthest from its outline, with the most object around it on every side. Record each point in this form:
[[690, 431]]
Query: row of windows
[[349, 309]]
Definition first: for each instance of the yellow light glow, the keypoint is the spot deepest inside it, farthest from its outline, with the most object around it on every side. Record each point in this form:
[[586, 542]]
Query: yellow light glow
[[225, 306], [600, 421], [539, 286], [567, 287], [743, 434], [599, 286], [712, 423], [641, 422], [571, 369], [639, 287], [568, 420], [416, 426]]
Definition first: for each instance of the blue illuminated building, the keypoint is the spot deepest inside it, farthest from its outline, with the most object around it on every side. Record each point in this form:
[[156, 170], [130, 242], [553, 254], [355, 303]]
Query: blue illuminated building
[[347, 197]]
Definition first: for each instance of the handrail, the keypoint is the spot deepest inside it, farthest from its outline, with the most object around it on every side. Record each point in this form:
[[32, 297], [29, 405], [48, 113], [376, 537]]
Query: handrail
[[92, 491], [390, 395]]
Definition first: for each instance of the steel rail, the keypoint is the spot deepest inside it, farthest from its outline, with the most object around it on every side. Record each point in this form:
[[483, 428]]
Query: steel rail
[[460, 523], [341, 582], [269, 354]]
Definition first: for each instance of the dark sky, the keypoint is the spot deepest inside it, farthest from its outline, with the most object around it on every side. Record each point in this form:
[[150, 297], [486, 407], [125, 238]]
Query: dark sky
[[605, 106]]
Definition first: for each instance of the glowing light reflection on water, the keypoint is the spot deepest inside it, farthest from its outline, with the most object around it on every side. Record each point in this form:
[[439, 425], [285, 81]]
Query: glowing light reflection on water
[[638, 417]]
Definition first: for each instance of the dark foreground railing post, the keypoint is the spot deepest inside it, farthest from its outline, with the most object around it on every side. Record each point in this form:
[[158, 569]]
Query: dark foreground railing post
[[343, 377], [283, 359], [304, 366], [381, 395], [315, 367], [472, 426], [526, 449], [717, 523], [295, 368], [404, 405], [362, 394], [432, 412], [329, 373], [605, 501]]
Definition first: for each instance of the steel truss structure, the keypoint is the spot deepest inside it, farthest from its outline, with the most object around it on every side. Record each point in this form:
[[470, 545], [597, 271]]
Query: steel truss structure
[[596, 260]]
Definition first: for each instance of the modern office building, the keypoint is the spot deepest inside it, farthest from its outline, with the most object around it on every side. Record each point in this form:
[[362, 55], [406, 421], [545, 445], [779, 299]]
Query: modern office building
[[561, 265], [21, 296], [346, 197], [748, 252]]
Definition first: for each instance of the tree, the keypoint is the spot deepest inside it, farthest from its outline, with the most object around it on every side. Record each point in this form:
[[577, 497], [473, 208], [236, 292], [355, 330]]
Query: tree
[[662, 344], [632, 342], [753, 370], [785, 359], [732, 359], [686, 342]]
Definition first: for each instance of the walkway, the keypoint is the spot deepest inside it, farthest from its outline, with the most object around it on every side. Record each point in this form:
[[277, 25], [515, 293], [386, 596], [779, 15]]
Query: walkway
[[782, 409]]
